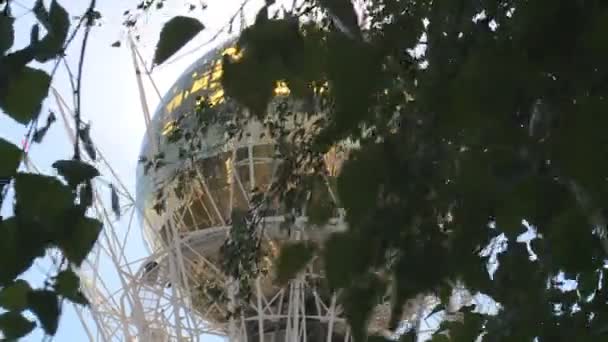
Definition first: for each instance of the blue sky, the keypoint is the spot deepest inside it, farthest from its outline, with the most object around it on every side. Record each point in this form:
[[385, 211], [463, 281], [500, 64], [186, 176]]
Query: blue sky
[[110, 99]]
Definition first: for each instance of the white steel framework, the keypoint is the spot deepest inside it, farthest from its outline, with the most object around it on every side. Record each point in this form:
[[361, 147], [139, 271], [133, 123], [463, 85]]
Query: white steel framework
[[156, 306], [139, 297]]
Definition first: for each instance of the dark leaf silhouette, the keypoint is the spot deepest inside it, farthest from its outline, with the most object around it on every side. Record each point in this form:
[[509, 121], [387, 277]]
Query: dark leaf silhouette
[[41, 132], [14, 326], [45, 305], [85, 136], [11, 158], [78, 238], [35, 35], [344, 14], [67, 284], [114, 200], [57, 23], [29, 81], [359, 300], [292, 260], [7, 33], [18, 249], [176, 33], [14, 296], [86, 194], [57, 196], [75, 172], [47, 213]]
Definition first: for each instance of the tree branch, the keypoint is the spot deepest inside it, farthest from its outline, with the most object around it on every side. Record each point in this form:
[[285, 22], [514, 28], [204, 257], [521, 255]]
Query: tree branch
[[89, 22]]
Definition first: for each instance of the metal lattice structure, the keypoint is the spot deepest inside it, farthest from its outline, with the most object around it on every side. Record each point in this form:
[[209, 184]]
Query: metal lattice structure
[[136, 302], [174, 290]]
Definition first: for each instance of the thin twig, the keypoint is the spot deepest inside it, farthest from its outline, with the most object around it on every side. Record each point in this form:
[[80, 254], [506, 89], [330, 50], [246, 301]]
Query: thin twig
[[83, 48]]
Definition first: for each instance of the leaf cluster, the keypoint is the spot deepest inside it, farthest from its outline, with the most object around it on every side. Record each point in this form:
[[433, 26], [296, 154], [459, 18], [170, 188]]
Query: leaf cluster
[[499, 120], [49, 213]]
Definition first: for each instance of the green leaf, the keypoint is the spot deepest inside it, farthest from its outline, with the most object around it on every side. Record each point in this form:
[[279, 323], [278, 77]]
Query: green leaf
[[33, 82], [41, 197], [320, 206], [358, 302], [13, 325], [573, 245], [344, 13], [57, 23], [19, 246], [440, 337], [409, 336], [293, 259], [75, 172], [85, 195], [345, 256], [444, 292], [250, 82], [14, 297], [67, 284], [176, 33], [319, 212], [41, 13], [378, 338], [7, 33], [587, 283], [79, 237], [359, 181], [45, 304], [262, 16], [11, 158], [35, 35]]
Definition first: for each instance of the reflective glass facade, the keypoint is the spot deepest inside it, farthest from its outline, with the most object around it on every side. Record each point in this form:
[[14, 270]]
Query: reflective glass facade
[[226, 172], [222, 178], [201, 79]]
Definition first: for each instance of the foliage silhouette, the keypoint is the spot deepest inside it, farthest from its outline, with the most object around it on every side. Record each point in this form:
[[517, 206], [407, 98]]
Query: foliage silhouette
[[500, 119], [48, 213]]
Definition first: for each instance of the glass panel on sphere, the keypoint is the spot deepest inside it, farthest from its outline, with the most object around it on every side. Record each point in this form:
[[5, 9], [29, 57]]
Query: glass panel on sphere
[[244, 176], [242, 187], [263, 151], [216, 173], [184, 218], [207, 203], [263, 174], [198, 214], [239, 201], [242, 154]]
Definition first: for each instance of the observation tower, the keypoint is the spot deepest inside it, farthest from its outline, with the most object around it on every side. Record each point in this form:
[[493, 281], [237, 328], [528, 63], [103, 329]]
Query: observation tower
[[214, 225], [199, 178]]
